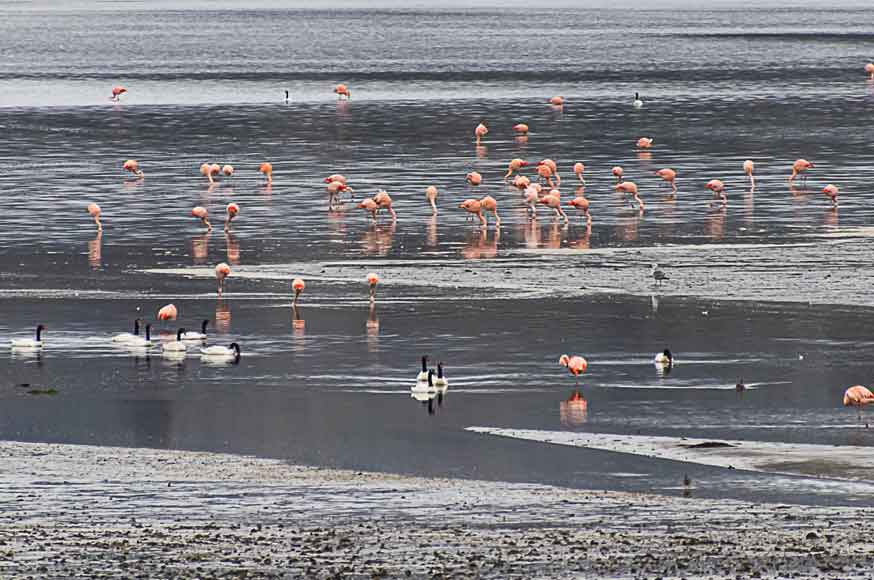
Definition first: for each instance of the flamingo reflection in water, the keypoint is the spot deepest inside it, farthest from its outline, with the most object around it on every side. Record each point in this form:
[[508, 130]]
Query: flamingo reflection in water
[[574, 411]]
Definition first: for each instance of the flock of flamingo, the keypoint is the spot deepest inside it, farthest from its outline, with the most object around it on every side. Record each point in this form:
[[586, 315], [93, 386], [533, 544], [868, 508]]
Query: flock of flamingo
[[542, 189]]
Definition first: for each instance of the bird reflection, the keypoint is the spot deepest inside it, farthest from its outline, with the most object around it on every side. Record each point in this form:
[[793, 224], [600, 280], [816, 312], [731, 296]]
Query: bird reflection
[[200, 249], [522, 141], [27, 354], [582, 243], [644, 155], [222, 317], [298, 324], [531, 234], [479, 245], [132, 183], [553, 235], [377, 240], [94, 251], [233, 249], [655, 303], [482, 151], [715, 223], [431, 232], [628, 228], [267, 190], [830, 217], [372, 327], [573, 411]]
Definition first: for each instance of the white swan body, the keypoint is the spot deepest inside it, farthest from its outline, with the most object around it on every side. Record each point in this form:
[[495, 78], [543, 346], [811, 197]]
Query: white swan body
[[141, 341], [423, 374], [221, 352], [128, 336], [191, 335], [29, 342], [175, 346]]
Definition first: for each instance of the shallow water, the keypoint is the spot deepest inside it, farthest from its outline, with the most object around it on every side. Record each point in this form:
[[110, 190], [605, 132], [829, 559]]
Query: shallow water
[[773, 289]]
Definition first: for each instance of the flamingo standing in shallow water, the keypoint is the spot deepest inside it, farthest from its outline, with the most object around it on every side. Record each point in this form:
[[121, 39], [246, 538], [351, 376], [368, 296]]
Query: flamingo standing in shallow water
[[369, 205], [431, 195], [488, 203], [553, 200], [521, 181], [200, 213], [232, 210], [749, 166], [832, 192], [480, 132], [475, 207], [267, 170], [858, 396], [554, 168], [117, 91], [513, 166], [334, 188], [869, 68], [94, 211], [581, 203], [335, 177], [520, 129], [342, 90], [474, 178], [372, 280], [800, 167], [630, 188], [670, 176], [617, 172], [579, 168], [718, 188], [383, 200], [532, 195], [556, 101], [222, 271], [228, 170], [168, 312], [644, 143], [133, 166], [297, 285], [576, 365]]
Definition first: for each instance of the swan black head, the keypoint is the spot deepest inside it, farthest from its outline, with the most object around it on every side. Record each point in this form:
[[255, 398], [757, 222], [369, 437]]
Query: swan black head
[[236, 348], [137, 326], [440, 370], [203, 326], [39, 330], [179, 334], [425, 364], [430, 377], [667, 353], [636, 96]]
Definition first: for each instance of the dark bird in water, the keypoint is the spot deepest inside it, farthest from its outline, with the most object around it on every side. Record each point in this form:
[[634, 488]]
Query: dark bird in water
[[687, 481], [740, 386], [286, 95]]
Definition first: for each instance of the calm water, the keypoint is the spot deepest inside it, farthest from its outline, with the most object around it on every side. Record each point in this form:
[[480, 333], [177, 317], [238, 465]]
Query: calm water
[[207, 84]]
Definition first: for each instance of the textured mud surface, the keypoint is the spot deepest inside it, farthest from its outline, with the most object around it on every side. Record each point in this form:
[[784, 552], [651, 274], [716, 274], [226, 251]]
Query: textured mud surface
[[125, 513]]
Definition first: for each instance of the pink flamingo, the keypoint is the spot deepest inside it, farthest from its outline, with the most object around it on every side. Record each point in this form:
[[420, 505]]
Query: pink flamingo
[[369, 205], [858, 396], [334, 188], [800, 167], [133, 166], [168, 312], [748, 169], [117, 91], [669, 175], [581, 203], [480, 132], [488, 203], [94, 211], [521, 181], [201, 213], [576, 365], [209, 171], [228, 170], [514, 166], [431, 195], [644, 143], [474, 178], [545, 173], [520, 129], [372, 280], [556, 101], [869, 68], [553, 200], [474, 206], [718, 188], [335, 177], [383, 200], [630, 188], [267, 170], [342, 90], [532, 196], [832, 192], [233, 209], [579, 168], [222, 271], [297, 285], [617, 173], [553, 167]]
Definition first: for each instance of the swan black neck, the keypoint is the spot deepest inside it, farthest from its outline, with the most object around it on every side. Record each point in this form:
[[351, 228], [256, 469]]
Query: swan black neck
[[203, 326], [137, 327], [636, 96], [148, 332], [668, 354], [39, 330], [430, 377], [424, 364], [439, 370], [179, 334]]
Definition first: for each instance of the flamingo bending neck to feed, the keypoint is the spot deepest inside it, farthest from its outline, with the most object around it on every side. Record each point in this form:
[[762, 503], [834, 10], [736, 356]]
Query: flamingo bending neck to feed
[[858, 396], [800, 167], [749, 166], [576, 365]]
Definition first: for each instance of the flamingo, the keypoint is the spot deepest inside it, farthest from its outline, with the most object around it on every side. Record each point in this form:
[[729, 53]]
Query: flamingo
[[718, 188], [869, 68], [553, 200], [553, 167], [117, 91], [369, 205], [579, 168], [581, 203], [201, 213], [342, 90], [334, 188], [514, 165], [133, 166], [630, 188], [474, 178], [858, 396], [832, 192], [670, 176], [556, 101], [520, 129], [267, 170], [335, 177], [233, 209], [545, 173], [521, 181], [488, 203], [228, 170], [474, 206], [372, 280], [94, 211], [748, 169], [222, 271], [644, 143], [617, 172], [431, 195], [383, 200], [297, 285], [168, 312], [800, 167], [532, 195], [576, 365], [480, 132]]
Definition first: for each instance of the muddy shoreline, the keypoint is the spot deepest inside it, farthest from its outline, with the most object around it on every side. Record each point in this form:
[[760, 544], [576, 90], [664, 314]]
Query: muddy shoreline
[[106, 512]]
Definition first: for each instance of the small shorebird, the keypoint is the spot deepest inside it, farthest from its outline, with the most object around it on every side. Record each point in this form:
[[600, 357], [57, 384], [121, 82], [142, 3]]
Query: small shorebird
[[658, 275]]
